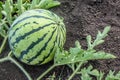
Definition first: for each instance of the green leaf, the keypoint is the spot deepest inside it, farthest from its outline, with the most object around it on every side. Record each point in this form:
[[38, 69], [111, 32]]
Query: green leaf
[[77, 44], [97, 55], [77, 55], [85, 73], [94, 72], [105, 31], [99, 42], [34, 4], [26, 1], [89, 41], [1, 10], [20, 7], [99, 38], [46, 4], [1, 3], [71, 56], [2, 31], [52, 4], [8, 9], [76, 49], [112, 76], [63, 57]]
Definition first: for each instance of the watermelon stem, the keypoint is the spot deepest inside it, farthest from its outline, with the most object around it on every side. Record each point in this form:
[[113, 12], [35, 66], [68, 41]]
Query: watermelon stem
[[21, 68], [48, 70], [9, 58], [76, 70], [3, 44], [4, 59]]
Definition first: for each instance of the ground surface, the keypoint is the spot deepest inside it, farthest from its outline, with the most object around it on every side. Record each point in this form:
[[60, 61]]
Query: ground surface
[[82, 17]]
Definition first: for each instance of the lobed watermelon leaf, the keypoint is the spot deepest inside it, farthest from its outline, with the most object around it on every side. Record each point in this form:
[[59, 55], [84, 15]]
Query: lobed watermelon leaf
[[77, 56], [112, 76]]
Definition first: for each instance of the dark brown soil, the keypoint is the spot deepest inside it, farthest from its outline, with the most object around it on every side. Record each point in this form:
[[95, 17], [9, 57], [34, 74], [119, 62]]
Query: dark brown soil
[[82, 17]]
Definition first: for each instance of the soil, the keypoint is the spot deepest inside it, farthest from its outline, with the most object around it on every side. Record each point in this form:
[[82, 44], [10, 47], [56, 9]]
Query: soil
[[81, 17]]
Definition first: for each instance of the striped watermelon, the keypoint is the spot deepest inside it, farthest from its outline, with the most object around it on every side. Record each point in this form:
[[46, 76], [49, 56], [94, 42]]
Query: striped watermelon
[[35, 36]]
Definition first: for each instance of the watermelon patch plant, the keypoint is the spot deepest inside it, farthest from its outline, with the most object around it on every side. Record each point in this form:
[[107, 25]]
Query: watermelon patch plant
[[36, 36]]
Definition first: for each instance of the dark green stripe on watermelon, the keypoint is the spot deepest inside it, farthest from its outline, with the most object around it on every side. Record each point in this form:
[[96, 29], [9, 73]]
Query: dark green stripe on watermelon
[[42, 49], [35, 22], [50, 53], [31, 46], [28, 17], [19, 28], [31, 32], [61, 36], [25, 18], [40, 11]]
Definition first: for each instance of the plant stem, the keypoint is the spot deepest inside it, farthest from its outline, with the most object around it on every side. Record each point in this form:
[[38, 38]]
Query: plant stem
[[9, 58], [4, 59], [78, 67], [49, 69], [10, 54], [22, 69], [3, 44]]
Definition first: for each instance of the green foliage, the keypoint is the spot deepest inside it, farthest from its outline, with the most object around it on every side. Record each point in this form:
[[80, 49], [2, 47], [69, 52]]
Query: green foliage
[[89, 71], [75, 57], [52, 77], [77, 54], [10, 10], [86, 74], [44, 4], [0, 9], [98, 39], [48, 3], [112, 76]]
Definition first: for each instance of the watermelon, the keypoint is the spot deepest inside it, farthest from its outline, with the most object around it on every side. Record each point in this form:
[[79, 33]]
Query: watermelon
[[35, 36]]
